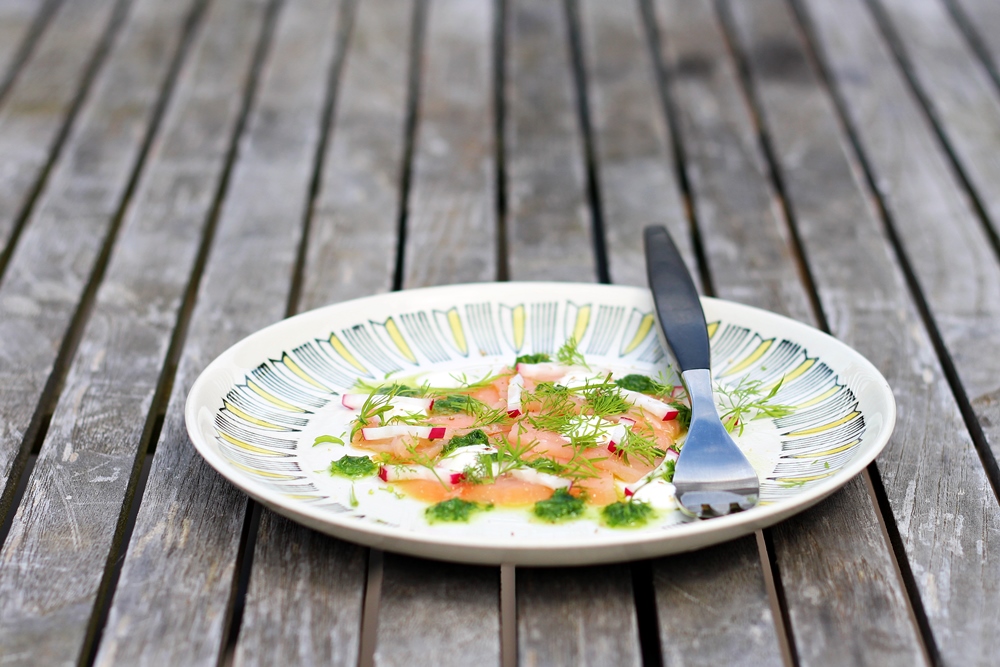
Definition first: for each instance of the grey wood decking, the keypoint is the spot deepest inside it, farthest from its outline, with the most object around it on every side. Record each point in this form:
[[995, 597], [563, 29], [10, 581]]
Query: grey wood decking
[[177, 175]]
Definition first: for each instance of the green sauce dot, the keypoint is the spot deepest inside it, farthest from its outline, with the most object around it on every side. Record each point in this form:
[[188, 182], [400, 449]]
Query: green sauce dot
[[454, 509], [562, 506], [628, 514], [353, 467]]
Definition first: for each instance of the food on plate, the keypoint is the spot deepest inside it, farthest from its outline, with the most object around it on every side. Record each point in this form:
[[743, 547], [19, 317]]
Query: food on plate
[[555, 435]]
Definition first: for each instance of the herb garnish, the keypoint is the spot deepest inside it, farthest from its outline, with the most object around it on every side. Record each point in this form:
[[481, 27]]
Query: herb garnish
[[627, 514], [353, 467], [570, 354], [745, 402], [642, 384], [456, 403], [454, 509], [562, 506], [476, 437], [538, 358]]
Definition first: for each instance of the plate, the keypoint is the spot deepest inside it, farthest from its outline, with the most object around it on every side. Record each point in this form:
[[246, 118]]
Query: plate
[[254, 414]]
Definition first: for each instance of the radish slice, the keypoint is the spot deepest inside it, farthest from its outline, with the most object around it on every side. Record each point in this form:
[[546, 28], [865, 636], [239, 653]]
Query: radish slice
[[514, 388], [409, 403], [657, 408], [396, 430], [615, 436], [402, 473]]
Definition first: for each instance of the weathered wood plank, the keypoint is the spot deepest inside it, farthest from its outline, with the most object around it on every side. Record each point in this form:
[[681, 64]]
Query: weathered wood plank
[[956, 89], [746, 242], [451, 226], [439, 613], [352, 243], [702, 55], [549, 239], [448, 611], [350, 252], [576, 616], [178, 578], [966, 106], [304, 602], [21, 21], [941, 501], [34, 110], [638, 187], [48, 272], [56, 555], [834, 556], [713, 608], [982, 18], [543, 148], [633, 151]]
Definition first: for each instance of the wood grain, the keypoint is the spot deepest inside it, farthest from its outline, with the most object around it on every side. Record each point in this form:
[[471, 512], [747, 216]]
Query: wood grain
[[549, 239], [173, 600], [48, 272], [451, 225], [351, 252], [67, 523], [747, 244], [821, 631], [446, 610], [959, 93], [713, 608], [956, 89], [633, 150], [352, 245], [543, 145], [304, 602], [438, 613], [34, 111], [869, 310], [638, 187], [982, 18], [21, 21], [845, 601]]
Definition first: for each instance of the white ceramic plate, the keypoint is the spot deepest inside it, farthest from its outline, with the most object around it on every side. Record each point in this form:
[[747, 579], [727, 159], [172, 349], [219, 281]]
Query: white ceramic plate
[[256, 411]]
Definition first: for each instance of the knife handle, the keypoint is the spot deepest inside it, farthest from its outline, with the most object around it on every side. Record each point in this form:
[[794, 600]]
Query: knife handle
[[676, 299]]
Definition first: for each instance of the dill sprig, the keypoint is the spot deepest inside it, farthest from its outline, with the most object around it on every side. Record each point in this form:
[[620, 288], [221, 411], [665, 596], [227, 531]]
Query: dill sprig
[[570, 354], [748, 401], [638, 445], [489, 466]]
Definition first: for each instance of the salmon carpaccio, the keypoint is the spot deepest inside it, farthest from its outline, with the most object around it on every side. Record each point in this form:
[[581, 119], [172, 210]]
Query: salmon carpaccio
[[515, 438]]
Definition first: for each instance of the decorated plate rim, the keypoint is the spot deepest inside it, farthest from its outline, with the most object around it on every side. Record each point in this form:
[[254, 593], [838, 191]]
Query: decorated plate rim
[[207, 393]]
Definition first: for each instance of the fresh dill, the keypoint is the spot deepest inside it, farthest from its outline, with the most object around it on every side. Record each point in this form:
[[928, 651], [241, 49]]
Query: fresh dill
[[640, 446], [643, 384], [570, 354], [747, 401]]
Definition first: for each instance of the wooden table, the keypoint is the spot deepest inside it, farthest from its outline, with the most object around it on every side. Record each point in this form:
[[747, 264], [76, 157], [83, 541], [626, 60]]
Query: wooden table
[[176, 175]]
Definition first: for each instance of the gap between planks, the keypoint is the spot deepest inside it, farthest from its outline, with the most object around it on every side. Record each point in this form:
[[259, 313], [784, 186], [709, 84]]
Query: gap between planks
[[248, 541], [117, 19], [880, 501], [990, 464], [158, 407], [24, 51], [38, 427]]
